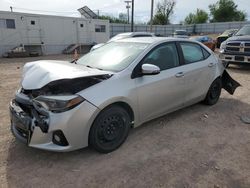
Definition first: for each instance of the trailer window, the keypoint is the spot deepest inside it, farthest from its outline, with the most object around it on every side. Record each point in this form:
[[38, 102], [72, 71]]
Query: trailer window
[[10, 23], [100, 28], [7, 23]]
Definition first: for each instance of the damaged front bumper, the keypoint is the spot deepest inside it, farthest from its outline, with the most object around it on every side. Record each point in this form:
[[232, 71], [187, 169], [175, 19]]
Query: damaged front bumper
[[46, 130]]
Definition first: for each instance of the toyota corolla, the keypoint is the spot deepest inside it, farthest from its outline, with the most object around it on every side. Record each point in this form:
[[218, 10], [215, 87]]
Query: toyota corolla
[[96, 100]]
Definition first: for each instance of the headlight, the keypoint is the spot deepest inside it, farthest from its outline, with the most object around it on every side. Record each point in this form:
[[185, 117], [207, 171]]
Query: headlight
[[58, 103], [223, 45]]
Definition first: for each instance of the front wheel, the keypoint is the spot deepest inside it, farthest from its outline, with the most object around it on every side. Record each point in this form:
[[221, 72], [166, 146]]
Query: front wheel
[[214, 92], [110, 129]]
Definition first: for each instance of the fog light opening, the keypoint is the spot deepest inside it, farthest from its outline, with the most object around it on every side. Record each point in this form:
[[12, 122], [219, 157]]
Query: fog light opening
[[58, 138]]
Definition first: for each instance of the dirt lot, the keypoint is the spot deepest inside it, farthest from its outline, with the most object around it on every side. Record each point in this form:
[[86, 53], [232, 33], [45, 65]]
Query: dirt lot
[[199, 146]]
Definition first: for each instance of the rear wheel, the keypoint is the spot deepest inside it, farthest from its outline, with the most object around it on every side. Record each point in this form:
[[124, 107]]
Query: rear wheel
[[214, 92], [110, 129]]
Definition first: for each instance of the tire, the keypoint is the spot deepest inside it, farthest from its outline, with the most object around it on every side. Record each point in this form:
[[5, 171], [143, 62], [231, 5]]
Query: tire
[[214, 92], [110, 129]]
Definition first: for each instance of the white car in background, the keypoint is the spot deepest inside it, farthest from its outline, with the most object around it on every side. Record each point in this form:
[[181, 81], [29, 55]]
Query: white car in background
[[123, 36], [181, 34]]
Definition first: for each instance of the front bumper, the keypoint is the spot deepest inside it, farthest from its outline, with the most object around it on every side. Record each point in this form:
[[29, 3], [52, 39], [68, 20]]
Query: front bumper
[[234, 57], [71, 128]]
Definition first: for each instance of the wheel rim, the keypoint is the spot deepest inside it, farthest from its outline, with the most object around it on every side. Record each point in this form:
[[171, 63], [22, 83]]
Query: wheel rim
[[111, 130], [215, 91]]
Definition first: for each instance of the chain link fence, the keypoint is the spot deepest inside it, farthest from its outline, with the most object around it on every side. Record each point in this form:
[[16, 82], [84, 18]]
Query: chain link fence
[[167, 30]]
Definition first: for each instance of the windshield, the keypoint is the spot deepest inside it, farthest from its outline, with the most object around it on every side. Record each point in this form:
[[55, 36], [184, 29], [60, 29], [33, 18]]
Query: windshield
[[243, 31], [228, 32], [114, 56], [119, 36], [180, 33]]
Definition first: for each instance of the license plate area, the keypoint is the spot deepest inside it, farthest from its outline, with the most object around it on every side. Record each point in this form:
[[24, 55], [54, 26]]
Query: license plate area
[[239, 58], [20, 123]]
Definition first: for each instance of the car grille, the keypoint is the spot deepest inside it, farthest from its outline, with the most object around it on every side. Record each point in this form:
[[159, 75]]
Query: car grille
[[238, 46]]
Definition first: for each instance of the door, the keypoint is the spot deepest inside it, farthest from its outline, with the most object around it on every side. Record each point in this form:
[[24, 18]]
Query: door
[[83, 35], [161, 93], [33, 30], [199, 71]]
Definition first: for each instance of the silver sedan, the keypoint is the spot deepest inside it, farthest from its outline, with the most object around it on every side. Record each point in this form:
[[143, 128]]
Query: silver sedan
[[95, 101]]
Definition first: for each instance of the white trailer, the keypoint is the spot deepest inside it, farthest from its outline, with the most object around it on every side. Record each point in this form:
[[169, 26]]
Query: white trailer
[[49, 34]]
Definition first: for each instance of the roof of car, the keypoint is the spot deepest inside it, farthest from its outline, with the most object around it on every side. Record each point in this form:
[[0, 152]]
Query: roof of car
[[136, 33], [151, 40]]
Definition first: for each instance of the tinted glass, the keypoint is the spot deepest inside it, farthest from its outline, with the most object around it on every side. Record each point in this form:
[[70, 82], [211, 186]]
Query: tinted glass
[[10, 23], [165, 57], [244, 31], [205, 53], [192, 52]]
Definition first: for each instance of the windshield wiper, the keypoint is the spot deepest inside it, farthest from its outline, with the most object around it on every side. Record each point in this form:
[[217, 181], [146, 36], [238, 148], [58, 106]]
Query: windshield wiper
[[74, 61], [93, 67]]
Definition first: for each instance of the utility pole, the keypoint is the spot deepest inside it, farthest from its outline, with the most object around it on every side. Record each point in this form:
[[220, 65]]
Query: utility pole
[[132, 17], [128, 7], [152, 14]]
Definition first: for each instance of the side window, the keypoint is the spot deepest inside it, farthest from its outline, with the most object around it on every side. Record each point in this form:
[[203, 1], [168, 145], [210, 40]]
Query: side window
[[191, 52], [205, 53], [165, 56]]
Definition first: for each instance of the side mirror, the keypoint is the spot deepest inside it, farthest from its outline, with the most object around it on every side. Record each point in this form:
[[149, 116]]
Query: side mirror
[[149, 69]]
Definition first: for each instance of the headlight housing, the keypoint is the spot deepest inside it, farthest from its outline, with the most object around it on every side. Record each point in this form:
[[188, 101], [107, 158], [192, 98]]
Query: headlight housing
[[58, 104], [223, 45]]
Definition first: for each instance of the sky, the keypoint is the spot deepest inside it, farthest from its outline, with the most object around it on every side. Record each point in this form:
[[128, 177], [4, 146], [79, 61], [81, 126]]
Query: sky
[[111, 7]]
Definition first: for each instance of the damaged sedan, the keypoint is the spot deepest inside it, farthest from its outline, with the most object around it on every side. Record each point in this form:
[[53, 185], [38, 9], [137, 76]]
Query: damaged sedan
[[95, 101]]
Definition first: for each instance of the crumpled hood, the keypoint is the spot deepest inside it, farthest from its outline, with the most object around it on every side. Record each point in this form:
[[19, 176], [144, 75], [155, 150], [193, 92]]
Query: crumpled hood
[[239, 38], [39, 73]]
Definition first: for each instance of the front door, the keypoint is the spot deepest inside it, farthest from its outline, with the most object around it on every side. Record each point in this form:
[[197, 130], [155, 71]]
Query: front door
[[161, 93]]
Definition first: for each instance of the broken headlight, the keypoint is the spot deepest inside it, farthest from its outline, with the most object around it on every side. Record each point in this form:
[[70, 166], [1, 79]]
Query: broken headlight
[[58, 103]]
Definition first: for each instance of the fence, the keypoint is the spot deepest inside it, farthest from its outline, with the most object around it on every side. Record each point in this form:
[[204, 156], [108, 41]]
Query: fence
[[167, 30]]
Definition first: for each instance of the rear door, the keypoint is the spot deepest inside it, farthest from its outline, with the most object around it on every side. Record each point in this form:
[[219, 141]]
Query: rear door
[[164, 92], [199, 71]]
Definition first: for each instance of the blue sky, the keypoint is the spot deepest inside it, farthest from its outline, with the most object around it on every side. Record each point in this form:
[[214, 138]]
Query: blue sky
[[111, 7]]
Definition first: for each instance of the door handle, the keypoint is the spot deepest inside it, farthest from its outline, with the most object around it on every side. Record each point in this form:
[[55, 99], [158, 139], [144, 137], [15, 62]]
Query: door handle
[[179, 74], [211, 64]]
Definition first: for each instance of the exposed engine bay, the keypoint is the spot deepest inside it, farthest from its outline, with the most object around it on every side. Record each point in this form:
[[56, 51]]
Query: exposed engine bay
[[66, 86]]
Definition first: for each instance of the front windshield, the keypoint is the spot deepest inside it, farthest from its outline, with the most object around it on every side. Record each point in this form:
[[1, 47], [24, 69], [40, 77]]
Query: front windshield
[[180, 33], [243, 31], [120, 36], [114, 56]]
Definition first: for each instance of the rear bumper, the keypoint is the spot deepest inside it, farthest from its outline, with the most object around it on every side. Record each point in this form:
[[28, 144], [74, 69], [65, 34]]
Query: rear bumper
[[71, 128]]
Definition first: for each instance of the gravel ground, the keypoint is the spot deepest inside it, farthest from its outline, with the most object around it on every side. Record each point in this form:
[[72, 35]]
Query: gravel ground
[[199, 147]]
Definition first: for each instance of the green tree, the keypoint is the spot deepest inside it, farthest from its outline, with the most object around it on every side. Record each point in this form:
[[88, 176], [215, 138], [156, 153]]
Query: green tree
[[225, 11], [200, 16], [112, 19], [164, 10]]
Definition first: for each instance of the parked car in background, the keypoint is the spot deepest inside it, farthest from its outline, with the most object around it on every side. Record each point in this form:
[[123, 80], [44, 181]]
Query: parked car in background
[[236, 49], [224, 36], [63, 106], [180, 34], [206, 40], [123, 36], [22, 51]]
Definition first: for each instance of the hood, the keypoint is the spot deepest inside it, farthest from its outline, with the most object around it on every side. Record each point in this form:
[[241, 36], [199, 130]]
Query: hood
[[39, 73], [239, 38]]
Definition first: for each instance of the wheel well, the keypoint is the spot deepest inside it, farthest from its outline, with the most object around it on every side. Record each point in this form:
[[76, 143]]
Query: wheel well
[[126, 107]]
